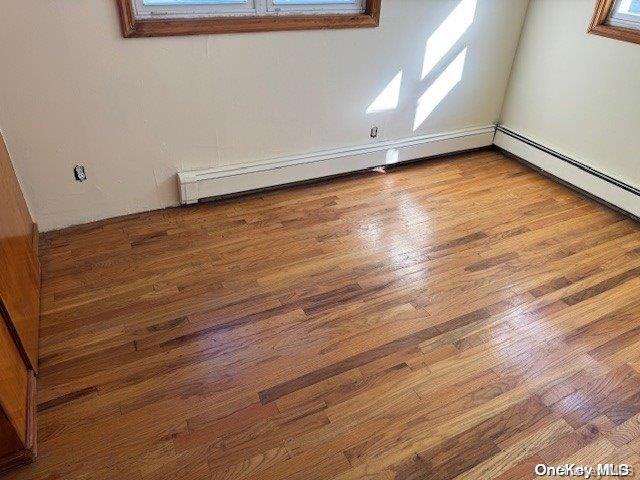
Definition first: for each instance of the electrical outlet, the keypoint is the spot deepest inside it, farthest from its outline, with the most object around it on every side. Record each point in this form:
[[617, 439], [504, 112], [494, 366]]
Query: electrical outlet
[[79, 173], [374, 132]]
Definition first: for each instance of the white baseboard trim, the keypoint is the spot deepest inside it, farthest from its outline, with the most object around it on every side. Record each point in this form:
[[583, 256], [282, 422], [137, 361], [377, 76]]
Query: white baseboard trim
[[213, 182], [580, 175]]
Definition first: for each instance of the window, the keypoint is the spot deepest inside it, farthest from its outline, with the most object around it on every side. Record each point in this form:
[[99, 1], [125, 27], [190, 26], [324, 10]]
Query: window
[[249, 8], [618, 19], [626, 13], [144, 18]]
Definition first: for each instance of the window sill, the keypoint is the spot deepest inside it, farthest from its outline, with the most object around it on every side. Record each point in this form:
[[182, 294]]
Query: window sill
[[619, 33], [599, 25], [132, 27]]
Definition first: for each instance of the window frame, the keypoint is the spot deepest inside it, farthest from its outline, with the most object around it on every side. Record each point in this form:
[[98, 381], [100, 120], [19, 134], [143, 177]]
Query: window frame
[[133, 26], [600, 24]]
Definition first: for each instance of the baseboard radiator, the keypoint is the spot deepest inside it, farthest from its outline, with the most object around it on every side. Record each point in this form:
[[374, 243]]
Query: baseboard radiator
[[214, 182], [573, 172]]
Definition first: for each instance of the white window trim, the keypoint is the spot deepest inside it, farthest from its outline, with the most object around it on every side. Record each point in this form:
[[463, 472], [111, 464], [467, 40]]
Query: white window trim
[[248, 8], [620, 19]]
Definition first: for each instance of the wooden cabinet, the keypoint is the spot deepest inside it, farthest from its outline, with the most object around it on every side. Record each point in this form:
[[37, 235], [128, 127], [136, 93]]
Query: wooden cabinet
[[17, 412], [20, 278], [19, 320]]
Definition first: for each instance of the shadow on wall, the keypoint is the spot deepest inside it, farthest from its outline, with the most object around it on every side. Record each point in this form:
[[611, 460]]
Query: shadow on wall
[[440, 56]]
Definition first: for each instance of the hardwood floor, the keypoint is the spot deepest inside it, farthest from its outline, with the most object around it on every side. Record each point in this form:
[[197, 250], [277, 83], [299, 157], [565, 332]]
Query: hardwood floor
[[463, 317]]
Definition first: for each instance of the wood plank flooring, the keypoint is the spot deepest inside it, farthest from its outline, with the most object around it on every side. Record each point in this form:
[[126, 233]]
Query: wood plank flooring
[[457, 318]]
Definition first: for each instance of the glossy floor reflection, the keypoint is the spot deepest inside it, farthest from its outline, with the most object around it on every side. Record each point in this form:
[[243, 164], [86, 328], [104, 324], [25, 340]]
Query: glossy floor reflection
[[457, 317]]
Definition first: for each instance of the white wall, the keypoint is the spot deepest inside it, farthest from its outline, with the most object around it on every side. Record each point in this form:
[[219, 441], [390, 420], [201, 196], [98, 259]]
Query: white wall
[[577, 93], [136, 111]]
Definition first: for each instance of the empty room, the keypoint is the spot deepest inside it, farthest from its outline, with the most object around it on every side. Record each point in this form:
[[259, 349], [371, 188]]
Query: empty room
[[319, 239]]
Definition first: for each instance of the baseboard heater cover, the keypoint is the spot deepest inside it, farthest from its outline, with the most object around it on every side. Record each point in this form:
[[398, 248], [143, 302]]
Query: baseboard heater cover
[[611, 190], [214, 182]]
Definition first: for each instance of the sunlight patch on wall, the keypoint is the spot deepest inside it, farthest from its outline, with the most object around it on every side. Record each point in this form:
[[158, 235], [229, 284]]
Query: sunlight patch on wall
[[447, 34], [389, 97], [439, 89]]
